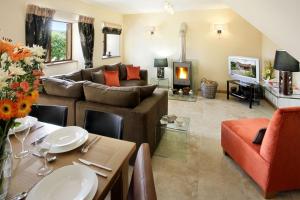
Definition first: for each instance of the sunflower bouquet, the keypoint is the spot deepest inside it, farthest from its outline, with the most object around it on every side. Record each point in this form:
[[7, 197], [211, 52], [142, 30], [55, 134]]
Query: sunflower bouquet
[[20, 71]]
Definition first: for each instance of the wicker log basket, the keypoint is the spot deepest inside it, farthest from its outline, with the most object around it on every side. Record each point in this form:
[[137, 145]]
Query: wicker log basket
[[208, 88]]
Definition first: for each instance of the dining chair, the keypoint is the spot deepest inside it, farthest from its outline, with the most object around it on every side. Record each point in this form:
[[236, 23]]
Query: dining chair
[[51, 114], [142, 182], [102, 123]]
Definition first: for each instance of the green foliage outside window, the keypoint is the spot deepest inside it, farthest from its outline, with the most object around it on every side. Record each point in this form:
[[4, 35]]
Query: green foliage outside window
[[58, 46]]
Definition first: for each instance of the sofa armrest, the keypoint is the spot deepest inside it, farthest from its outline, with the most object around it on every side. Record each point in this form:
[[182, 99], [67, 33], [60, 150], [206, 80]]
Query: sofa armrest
[[150, 111], [144, 75]]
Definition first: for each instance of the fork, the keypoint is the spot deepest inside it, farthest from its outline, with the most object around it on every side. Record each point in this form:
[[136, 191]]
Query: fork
[[85, 149]]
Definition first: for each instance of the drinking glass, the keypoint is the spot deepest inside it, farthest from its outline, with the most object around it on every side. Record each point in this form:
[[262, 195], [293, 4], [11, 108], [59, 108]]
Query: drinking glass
[[43, 150], [21, 133]]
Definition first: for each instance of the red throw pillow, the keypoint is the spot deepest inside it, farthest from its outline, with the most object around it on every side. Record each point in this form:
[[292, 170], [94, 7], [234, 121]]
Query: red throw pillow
[[112, 78], [133, 73]]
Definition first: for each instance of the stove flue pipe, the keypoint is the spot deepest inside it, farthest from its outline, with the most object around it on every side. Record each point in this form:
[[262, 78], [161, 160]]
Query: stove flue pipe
[[182, 34]]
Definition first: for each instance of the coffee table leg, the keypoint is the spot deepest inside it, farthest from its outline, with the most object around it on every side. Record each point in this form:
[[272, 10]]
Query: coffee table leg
[[120, 188]]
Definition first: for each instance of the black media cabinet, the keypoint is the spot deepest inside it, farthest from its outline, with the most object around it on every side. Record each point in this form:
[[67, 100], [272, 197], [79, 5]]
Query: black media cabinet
[[245, 91]]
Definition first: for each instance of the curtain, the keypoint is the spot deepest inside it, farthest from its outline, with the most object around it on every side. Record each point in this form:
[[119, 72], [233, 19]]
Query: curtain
[[86, 31], [38, 26]]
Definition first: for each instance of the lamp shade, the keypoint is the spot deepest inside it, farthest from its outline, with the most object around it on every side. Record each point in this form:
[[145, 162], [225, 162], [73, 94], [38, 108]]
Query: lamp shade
[[285, 62], [160, 62]]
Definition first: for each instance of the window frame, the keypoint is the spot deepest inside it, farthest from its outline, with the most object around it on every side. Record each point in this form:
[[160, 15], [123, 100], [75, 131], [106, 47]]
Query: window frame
[[48, 59]]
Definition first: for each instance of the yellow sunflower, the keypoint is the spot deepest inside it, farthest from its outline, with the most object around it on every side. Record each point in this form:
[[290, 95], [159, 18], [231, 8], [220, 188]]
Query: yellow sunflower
[[24, 106], [8, 109], [34, 95]]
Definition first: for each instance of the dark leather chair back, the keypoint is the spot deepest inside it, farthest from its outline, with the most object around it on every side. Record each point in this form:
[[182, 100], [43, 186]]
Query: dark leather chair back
[[106, 124], [142, 183], [51, 114]]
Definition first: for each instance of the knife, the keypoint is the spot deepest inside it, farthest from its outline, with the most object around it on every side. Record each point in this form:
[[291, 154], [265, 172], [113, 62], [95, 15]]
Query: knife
[[94, 164], [40, 140], [98, 173]]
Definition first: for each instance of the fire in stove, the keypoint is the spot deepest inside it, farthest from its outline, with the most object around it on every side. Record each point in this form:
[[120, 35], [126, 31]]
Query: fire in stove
[[182, 73]]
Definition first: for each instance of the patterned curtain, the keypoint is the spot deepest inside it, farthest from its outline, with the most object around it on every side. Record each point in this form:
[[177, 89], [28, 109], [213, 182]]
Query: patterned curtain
[[38, 26], [86, 31]]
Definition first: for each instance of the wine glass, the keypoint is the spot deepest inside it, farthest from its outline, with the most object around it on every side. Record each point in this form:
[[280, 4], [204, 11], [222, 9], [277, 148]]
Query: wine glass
[[21, 131], [43, 149]]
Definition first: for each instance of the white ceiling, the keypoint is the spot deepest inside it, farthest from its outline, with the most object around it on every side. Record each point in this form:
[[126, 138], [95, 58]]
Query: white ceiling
[[144, 6]]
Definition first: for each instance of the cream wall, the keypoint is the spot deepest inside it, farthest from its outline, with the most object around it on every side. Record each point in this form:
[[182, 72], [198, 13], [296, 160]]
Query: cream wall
[[12, 24], [268, 53], [208, 53], [279, 20]]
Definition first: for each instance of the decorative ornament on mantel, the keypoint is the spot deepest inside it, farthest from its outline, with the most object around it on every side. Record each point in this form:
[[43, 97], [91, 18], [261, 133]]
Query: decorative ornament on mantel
[[20, 72], [268, 71]]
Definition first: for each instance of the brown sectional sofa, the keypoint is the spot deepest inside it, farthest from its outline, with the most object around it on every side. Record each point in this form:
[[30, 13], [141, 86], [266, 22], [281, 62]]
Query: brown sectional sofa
[[141, 120]]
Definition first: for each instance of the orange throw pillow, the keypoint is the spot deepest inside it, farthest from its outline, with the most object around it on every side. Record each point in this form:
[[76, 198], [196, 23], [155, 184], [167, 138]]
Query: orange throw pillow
[[112, 78], [133, 73]]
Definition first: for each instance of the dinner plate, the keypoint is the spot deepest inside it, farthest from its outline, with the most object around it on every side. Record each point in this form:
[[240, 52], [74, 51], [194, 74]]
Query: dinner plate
[[69, 182], [32, 121], [66, 139]]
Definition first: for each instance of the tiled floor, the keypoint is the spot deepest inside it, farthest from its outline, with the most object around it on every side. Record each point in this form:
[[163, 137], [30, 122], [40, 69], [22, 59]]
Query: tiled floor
[[194, 167]]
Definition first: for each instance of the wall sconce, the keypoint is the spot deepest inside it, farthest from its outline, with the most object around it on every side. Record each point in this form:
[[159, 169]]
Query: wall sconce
[[219, 28], [151, 30]]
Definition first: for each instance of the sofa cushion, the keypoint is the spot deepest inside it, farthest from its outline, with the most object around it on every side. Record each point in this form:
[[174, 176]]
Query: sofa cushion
[[76, 76], [116, 96], [133, 73], [146, 91], [87, 73], [112, 78], [98, 77], [63, 88], [133, 83], [113, 67], [123, 71]]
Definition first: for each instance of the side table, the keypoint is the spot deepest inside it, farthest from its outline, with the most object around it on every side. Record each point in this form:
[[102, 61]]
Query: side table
[[159, 81], [174, 136]]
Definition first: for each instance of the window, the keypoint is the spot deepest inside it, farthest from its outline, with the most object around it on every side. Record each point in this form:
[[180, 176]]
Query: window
[[111, 47], [61, 42]]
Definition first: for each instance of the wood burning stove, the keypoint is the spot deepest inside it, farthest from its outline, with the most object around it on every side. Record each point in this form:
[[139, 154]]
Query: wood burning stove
[[182, 70], [182, 75]]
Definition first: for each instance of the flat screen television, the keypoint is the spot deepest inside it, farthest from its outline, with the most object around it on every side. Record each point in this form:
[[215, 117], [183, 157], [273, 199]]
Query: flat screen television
[[244, 69]]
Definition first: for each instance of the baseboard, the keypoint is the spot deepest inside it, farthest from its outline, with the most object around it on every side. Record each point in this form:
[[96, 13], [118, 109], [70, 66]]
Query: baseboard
[[222, 91]]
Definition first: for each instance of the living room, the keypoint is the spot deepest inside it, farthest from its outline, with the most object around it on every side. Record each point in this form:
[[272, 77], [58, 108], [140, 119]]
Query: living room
[[150, 72]]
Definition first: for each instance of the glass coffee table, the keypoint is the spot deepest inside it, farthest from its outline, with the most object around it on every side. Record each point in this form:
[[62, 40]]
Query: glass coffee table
[[173, 144], [192, 98]]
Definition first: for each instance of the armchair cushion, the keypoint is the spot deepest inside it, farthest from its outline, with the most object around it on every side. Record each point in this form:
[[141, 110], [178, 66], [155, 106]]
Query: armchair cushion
[[259, 136]]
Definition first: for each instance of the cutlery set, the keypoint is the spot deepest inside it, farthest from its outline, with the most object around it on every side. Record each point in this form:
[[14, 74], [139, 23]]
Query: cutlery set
[[85, 149]]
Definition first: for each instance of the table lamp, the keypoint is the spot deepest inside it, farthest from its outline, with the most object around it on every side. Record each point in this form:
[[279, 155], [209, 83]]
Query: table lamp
[[160, 64], [286, 64]]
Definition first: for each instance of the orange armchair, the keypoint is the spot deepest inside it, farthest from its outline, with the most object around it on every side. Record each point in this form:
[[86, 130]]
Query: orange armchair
[[275, 164]]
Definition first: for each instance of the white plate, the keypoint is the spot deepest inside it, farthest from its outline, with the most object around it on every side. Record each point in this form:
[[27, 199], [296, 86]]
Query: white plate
[[71, 146], [69, 182], [32, 121], [93, 191]]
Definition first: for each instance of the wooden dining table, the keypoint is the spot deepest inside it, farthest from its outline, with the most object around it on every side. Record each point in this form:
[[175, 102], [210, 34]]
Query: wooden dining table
[[108, 152]]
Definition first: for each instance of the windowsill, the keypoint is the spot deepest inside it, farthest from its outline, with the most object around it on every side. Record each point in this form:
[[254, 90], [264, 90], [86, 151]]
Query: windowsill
[[60, 63], [108, 57]]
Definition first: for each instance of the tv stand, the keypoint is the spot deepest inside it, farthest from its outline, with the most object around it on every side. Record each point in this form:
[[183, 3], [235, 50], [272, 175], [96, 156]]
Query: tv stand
[[246, 91]]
